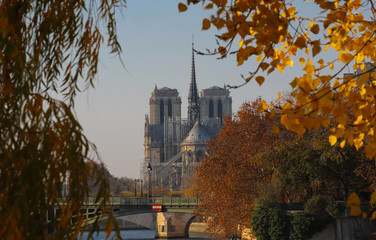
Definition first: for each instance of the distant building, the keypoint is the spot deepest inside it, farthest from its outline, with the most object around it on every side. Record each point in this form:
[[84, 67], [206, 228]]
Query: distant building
[[174, 145]]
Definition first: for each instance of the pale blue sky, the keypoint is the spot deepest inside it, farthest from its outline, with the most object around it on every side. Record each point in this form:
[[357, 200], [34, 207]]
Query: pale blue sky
[[156, 41]]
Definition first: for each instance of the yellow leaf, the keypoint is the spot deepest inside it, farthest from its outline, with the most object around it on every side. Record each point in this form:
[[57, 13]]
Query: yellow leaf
[[280, 67], [342, 145], [326, 123], [241, 42], [332, 140], [293, 83], [364, 215], [302, 61], [355, 211], [263, 106], [373, 216], [285, 121], [182, 7], [358, 120], [373, 199], [272, 113], [309, 68], [289, 61], [276, 130], [306, 50], [260, 80], [366, 77], [205, 24], [358, 143], [291, 11], [353, 200], [259, 58], [299, 129], [345, 57], [286, 106]]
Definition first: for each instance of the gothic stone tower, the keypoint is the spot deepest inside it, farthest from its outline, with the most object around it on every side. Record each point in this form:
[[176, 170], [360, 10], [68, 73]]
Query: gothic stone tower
[[215, 103], [162, 132], [164, 103]]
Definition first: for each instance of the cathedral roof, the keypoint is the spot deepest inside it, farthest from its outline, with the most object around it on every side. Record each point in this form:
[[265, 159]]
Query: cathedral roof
[[215, 88], [166, 89], [197, 134]]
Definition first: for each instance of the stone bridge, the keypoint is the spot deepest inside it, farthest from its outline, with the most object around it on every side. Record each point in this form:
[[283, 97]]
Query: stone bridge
[[170, 217]]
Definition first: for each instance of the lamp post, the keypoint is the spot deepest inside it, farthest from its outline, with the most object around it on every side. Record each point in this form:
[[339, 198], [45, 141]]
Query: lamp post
[[149, 171], [135, 188], [142, 193]]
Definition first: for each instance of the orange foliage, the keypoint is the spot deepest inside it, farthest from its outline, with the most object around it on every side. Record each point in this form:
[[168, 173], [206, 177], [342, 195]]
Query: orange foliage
[[230, 177]]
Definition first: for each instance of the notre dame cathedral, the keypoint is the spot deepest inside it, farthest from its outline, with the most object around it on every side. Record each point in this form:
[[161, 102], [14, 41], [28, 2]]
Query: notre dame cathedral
[[173, 146]]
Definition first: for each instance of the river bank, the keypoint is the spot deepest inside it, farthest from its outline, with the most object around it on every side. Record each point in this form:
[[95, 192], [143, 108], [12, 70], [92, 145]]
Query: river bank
[[195, 227], [196, 231]]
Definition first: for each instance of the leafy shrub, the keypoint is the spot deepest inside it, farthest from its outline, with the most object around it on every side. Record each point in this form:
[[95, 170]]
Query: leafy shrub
[[316, 205], [279, 224], [260, 222], [334, 210], [270, 223], [317, 214], [301, 225]]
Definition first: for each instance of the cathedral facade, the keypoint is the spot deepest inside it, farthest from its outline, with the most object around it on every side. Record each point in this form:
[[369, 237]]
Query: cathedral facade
[[173, 146]]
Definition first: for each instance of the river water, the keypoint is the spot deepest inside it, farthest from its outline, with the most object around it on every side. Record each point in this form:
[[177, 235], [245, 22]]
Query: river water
[[142, 234]]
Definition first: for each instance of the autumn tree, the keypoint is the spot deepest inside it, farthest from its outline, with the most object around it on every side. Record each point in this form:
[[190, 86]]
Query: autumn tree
[[248, 163], [230, 177], [308, 166], [340, 36], [48, 54]]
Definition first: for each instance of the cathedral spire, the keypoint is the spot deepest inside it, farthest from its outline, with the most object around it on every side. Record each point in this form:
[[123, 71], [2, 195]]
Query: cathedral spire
[[193, 104]]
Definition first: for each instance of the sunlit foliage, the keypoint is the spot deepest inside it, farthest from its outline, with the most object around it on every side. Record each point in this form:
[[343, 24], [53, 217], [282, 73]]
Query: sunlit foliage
[[48, 53], [339, 37], [230, 177], [248, 162]]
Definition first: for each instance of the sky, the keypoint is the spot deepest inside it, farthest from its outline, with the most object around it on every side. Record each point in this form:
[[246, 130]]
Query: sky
[[157, 42]]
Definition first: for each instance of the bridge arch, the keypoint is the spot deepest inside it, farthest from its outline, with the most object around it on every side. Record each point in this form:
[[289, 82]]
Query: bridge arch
[[187, 225]]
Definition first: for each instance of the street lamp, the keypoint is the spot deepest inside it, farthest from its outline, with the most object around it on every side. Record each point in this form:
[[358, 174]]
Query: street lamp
[[135, 188], [142, 193], [149, 171]]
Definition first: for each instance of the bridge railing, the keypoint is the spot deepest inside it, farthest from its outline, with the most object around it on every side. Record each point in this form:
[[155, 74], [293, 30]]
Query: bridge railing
[[175, 201], [156, 200], [144, 201]]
